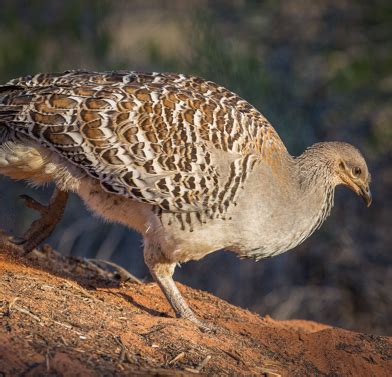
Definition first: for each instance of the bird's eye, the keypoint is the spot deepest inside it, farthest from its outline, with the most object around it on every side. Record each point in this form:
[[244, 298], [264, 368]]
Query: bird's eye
[[357, 171]]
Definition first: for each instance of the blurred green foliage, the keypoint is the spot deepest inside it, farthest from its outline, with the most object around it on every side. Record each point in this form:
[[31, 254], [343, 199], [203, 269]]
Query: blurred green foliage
[[37, 35]]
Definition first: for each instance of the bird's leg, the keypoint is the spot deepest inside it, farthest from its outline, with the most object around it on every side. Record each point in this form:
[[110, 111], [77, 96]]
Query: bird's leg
[[162, 272], [51, 214]]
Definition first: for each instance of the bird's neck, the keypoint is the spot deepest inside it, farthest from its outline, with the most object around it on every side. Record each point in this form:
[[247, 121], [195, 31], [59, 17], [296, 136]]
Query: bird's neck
[[298, 206], [316, 163], [316, 183]]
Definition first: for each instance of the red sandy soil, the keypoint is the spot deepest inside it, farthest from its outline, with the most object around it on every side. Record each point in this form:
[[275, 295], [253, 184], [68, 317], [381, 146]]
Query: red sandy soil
[[66, 317]]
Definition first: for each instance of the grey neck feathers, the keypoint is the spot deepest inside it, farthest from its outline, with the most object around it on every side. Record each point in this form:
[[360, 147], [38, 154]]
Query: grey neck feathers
[[315, 166], [312, 175], [316, 179]]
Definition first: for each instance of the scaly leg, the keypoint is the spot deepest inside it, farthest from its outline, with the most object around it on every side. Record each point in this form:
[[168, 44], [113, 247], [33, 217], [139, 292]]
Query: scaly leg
[[51, 214], [162, 272]]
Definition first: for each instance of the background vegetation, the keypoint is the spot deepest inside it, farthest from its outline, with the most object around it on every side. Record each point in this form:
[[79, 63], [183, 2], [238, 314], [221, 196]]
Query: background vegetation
[[318, 70]]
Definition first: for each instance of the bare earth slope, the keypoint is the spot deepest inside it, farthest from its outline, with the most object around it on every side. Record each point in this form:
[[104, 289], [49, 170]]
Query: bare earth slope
[[66, 317]]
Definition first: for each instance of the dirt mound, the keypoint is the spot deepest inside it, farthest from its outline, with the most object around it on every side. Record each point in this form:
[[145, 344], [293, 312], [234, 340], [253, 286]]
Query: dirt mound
[[68, 317]]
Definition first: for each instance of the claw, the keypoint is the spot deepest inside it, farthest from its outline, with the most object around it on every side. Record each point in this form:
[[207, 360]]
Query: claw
[[6, 243], [206, 328], [17, 240], [41, 228]]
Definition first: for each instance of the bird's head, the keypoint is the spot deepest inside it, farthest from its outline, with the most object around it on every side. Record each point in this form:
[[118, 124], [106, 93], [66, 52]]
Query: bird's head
[[345, 165], [351, 170]]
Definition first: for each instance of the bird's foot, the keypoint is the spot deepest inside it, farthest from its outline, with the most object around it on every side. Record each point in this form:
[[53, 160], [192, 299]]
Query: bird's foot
[[203, 326], [41, 228], [188, 314], [163, 275], [8, 243], [18, 241]]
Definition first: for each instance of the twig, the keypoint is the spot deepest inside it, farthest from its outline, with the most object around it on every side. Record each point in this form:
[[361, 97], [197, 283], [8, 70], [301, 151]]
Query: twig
[[25, 311], [11, 304], [47, 360], [85, 293], [122, 346], [124, 274], [69, 327], [198, 369], [155, 329], [270, 369], [178, 357], [269, 373], [124, 354], [203, 363], [235, 357], [192, 370], [63, 340]]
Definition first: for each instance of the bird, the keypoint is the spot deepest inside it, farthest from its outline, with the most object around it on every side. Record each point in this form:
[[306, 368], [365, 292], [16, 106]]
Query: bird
[[187, 163]]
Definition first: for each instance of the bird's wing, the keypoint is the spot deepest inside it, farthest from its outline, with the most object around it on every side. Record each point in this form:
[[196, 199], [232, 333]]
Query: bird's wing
[[151, 137]]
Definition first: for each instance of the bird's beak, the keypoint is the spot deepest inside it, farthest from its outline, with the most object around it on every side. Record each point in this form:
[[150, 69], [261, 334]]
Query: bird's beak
[[361, 189], [366, 195]]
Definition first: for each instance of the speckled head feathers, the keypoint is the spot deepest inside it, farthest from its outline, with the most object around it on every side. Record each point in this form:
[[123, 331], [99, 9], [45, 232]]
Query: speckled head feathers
[[346, 166]]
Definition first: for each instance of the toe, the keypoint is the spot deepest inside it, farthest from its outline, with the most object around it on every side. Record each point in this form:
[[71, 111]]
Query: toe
[[17, 240]]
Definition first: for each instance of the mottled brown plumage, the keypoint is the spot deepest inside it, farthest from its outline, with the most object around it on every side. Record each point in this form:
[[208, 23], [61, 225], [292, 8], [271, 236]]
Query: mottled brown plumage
[[145, 136], [187, 163]]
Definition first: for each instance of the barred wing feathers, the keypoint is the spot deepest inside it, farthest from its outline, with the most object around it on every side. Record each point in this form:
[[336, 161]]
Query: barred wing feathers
[[149, 136]]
